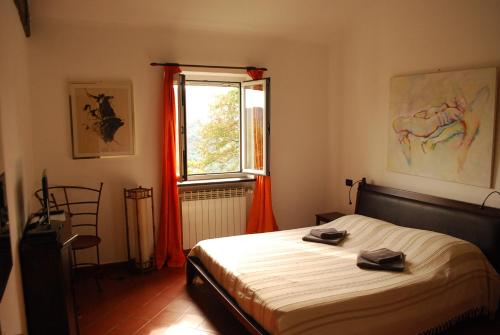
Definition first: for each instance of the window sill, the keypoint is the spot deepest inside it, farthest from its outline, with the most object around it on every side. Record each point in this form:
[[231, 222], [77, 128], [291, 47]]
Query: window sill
[[215, 181]]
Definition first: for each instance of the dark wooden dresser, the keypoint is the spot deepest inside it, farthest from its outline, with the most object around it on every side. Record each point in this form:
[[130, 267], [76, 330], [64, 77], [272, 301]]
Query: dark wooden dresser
[[46, 265]]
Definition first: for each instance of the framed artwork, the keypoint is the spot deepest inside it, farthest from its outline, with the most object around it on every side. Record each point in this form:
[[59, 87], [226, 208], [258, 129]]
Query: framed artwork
[[442, 125], [24, 15], [102, 119]]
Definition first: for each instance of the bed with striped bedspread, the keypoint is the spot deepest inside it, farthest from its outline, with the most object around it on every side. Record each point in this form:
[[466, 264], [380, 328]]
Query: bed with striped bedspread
[[294, 287]]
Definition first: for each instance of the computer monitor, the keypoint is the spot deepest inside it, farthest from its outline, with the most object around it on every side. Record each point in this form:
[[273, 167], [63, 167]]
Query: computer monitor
[[46, 200]]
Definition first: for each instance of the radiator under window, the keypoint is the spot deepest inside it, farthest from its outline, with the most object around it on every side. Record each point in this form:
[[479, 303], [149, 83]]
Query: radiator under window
[[213, 213]]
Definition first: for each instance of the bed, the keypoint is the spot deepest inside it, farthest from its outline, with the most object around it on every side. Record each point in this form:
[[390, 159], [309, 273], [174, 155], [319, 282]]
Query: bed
[[275, 283]]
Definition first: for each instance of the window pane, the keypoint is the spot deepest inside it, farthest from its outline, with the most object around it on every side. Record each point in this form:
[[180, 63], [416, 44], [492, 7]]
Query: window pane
[[255, 104], [212, 128]]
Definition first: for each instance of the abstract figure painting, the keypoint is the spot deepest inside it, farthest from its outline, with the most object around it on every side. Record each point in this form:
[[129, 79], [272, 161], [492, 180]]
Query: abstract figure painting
[[442, 125], [102, 119]]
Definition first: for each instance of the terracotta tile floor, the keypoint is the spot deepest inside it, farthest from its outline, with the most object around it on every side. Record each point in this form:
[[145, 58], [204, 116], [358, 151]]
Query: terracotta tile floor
[[159, 303], [150, 304]]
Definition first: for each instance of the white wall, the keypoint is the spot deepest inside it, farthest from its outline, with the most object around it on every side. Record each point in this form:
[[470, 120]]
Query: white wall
[[393, 38], [61, 52], [15, 139]]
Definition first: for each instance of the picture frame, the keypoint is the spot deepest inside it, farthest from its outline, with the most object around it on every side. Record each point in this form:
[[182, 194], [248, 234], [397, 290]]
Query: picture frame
[[102, 119], [24, 15], [442, 125]]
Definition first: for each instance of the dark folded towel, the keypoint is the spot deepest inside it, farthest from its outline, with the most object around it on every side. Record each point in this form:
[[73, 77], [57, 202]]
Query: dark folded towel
[[335, 241], [393, 266], [381, 256], [327, 233]]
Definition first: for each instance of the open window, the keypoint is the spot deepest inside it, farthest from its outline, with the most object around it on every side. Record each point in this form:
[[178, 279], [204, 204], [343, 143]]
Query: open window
[[223, 126], [255, 126]]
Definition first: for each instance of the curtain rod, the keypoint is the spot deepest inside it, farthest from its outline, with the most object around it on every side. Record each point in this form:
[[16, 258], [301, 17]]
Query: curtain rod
[[211, 66]]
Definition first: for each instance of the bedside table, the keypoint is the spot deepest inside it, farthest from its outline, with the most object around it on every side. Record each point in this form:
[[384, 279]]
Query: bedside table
[[327, 217]]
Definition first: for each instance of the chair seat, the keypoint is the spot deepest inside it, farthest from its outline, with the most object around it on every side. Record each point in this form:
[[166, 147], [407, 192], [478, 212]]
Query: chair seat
[[85, 241]]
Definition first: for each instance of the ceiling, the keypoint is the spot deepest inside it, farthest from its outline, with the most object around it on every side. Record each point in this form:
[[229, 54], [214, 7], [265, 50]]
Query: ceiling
[[309, 20]]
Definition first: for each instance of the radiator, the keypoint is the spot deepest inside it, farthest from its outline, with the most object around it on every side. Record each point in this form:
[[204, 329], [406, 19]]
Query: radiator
[[212, 213]]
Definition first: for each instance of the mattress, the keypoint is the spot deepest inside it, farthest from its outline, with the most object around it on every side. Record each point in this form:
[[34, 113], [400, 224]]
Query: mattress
[[290, 286]]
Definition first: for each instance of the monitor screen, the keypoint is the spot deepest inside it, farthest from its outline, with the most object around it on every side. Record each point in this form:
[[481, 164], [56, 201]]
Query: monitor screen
[[46, 200]]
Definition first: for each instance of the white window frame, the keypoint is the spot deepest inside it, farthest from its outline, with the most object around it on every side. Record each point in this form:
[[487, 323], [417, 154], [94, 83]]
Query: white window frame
[[181, 120], [267, 128]]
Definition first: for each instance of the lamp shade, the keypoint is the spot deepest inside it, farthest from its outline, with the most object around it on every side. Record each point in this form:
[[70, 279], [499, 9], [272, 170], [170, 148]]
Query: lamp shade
[[139, 211]]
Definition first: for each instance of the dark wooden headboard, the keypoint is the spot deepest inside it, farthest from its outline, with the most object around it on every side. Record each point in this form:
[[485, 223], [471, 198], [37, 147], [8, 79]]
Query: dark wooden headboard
[[415, 210]]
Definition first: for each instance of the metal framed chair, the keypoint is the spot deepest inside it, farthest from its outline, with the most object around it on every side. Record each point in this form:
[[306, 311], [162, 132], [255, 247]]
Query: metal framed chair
[[82, 205]]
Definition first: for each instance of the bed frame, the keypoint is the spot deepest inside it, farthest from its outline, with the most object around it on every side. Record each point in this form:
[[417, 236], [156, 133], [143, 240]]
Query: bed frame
[[409, 209]]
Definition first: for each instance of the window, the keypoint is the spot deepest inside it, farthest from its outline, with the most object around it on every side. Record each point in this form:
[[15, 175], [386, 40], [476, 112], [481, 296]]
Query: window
[[223, 126]]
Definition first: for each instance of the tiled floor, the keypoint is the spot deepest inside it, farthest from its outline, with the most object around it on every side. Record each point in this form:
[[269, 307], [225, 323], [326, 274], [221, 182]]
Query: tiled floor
[[150, 304], [159, 303]]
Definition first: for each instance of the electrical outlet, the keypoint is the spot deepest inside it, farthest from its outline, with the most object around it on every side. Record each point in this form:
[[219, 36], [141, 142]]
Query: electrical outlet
[[348, 182]]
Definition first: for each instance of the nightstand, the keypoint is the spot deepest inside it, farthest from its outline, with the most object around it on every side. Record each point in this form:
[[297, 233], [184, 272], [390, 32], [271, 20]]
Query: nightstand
[[327, 217]]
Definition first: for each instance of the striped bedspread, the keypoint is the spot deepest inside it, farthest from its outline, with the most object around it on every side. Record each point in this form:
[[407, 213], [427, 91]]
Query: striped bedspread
[[294, 287]]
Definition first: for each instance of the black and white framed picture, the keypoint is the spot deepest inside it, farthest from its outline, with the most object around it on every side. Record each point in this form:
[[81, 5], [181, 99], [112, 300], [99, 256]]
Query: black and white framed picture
[[102, 118]]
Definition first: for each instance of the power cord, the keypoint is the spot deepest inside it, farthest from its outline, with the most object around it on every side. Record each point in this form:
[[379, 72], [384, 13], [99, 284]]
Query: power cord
[[348, 182], [489, 195]]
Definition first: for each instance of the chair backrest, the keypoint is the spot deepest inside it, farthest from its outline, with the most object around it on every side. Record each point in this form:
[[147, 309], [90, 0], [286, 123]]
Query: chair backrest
[[76, 201]]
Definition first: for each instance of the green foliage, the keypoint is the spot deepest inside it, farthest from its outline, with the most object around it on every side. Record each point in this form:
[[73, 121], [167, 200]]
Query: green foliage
[[218, 145]]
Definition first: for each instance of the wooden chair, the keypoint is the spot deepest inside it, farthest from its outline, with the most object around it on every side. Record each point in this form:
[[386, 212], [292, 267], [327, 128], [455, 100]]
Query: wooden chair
[[82, 205]]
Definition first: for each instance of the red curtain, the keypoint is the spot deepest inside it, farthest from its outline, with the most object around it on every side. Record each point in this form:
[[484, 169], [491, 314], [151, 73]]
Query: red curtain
[[261, 218], [169, 246]]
